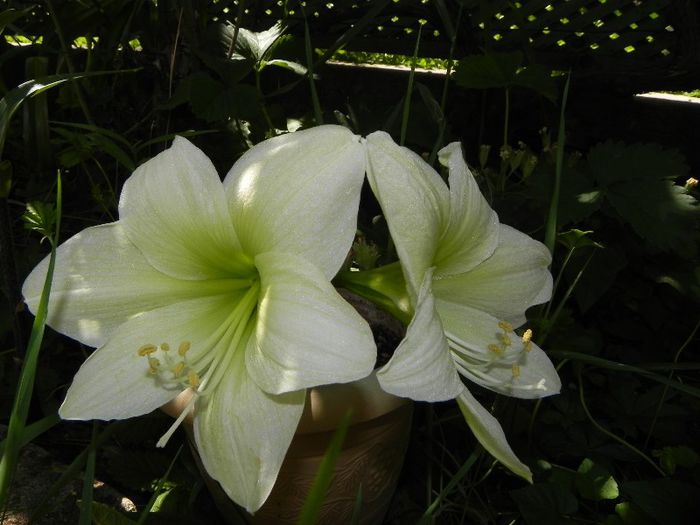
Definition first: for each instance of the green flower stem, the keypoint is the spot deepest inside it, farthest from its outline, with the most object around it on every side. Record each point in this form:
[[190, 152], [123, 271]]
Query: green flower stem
[[666, 387], [409, 90]]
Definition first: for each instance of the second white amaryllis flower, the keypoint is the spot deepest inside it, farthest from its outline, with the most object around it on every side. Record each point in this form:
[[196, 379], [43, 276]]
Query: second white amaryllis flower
[[470, 280], [222, 289]]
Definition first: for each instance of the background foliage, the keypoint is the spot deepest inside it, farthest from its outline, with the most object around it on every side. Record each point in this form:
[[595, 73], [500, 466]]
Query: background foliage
[[92, 89]]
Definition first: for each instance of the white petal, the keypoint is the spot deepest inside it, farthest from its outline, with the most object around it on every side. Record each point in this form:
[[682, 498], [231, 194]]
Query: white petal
[[415, 202], [114, 382], [489, 433], [506, 284], [299, 193], [100, 280], [306, 333], [472, 232], [535, 377], [243, 434], [421, 367], [174, 210]]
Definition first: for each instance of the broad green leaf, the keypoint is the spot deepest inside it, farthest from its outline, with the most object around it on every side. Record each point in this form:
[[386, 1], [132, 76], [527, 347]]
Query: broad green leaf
[[673, 457], [545, 503], [611, 162], [504, 70], [594, 482], [295, 67], [668, 501], [577, 239], [629, 514]]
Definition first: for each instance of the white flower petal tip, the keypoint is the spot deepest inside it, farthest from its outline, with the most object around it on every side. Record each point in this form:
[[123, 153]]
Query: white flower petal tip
[[489, 433]]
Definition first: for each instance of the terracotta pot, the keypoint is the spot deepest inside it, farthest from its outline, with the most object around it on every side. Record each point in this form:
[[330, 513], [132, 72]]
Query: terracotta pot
[[371, 457]]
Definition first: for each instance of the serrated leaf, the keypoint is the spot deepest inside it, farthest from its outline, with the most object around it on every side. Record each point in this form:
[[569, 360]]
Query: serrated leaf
[[612, 162], [595, 482], [660, 212], [491, 70], [503, 70]]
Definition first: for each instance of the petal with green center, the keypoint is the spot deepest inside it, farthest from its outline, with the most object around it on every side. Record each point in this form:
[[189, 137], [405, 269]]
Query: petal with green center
[[414, 200], [306, 333], [100, 280], [242, 435], [489, 433], [421, 367], [115, 383], [174, 210], [518, 372], [506, 284], [472, 231], [299, 193]]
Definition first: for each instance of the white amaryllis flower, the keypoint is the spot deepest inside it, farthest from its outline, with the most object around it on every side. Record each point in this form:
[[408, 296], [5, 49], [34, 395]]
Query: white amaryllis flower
[[220, 289], [470, 280]]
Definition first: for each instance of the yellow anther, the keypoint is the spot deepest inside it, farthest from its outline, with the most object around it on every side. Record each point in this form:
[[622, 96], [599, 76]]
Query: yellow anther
[[505, 326], [153, 363], [527, 346], [527, 336], [495, 349], [193, 379], [147, 349], [183, 348], [516, 370], [164, 347], [178, 369], [505, 340]]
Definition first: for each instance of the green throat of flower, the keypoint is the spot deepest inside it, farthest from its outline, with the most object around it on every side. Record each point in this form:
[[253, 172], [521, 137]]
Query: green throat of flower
[[201, 367]]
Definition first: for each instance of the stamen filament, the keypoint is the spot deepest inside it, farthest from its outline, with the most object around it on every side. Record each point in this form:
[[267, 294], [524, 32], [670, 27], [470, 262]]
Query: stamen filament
[[168, 434]]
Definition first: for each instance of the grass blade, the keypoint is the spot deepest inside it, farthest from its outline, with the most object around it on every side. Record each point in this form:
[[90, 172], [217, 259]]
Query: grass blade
[[322, 481], [550, 236], [25, 387]]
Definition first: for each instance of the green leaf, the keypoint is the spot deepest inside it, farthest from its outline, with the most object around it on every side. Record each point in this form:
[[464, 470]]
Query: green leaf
[[672, 457], [213, 101], [660, 212], [295, 67], [504, 70], [324, 474], [612, 162], [250, 44], [10, 15], [545, 504], [629, 514], [492, 70], [105, 515], [577, 239], [637, 180], [14, 98], [668, 501], [595, 482]]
